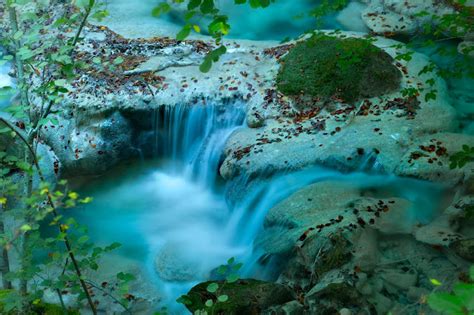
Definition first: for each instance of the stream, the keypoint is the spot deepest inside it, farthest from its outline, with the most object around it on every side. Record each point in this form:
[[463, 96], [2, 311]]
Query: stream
[[171, 214], [174, 216]]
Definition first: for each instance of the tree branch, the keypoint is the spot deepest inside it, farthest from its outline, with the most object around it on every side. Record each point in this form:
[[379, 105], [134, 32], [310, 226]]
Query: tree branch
[[66, 241]]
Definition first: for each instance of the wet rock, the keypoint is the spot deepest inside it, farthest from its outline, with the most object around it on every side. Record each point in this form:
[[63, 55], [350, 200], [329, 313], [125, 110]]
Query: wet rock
[[171, 265], [416, 293], [245, 297], [439, 232], [397, 17], [401, 280], [90, 144], [381, 303], [290, 308], [428, 158], [372, 134], [332, 293], [366, 253], [351, 17], [464, 249]]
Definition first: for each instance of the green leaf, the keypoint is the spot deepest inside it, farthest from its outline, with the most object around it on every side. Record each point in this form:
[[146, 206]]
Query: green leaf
[[209, 303], [125, 276], [206, 65], [465, 291], [212, 287], [223, 298], [445, 303], [25, 228], [184, 299], [222, 270], [184, 32], [232, 278], [207, 6], [193, 4], [160, 9], [83, 239], [118, 60]]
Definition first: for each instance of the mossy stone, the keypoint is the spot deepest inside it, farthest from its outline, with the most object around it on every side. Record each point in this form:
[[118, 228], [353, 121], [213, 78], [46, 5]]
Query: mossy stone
[[247, 296], [324, 67]]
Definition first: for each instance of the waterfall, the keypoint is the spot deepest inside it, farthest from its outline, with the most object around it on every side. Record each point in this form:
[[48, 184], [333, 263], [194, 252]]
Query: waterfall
[[171, 213], [192, 137]]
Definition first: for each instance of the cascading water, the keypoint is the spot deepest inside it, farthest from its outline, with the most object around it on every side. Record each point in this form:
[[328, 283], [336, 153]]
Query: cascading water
[[194, 137], [171, 214], [175, 209]]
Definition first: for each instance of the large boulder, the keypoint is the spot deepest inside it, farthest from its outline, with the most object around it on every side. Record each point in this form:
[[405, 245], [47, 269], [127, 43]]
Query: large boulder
[[370, 134], [395, 17], [313, 68], [356, 247]]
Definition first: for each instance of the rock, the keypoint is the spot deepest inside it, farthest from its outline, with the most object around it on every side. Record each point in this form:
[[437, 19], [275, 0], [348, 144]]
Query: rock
[[381, 303], [290, 308], [392, 16], [345, 311], [49, 164], [310, 70], [91, 143], [333, 293], [351, 17], [466, 48], [428, 158], [316, 207], [401, 280], [366, 254], [464, 249], [245, 296], [415, 294], [171, 265], [373, 134], [439, 232]]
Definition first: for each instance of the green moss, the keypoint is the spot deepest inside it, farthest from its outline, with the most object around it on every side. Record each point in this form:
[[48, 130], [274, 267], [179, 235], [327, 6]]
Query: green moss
[[350, 69], [245, 297]]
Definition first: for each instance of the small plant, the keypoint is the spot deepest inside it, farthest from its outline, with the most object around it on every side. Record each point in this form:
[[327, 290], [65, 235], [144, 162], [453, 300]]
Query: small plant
[[216, 299], [461, 158], [460, 301]]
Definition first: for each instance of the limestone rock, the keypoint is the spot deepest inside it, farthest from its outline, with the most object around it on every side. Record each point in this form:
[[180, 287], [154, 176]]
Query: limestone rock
[[464, 248], [372, 135], [428, 158], [171, 265], [392, 16], [290, 308]]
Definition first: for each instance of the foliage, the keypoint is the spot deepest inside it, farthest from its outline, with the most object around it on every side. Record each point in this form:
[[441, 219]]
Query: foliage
[[41, 44], [217, 300], [327, 67], [460, 301], [461, 158]]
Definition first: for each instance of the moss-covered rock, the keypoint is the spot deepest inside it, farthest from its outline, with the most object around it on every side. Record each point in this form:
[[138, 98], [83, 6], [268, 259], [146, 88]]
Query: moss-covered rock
[[245, 297], [322, 67]]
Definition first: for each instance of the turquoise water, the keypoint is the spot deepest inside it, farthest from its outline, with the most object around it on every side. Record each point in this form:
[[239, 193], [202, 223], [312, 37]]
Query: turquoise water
[[171, 214]]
